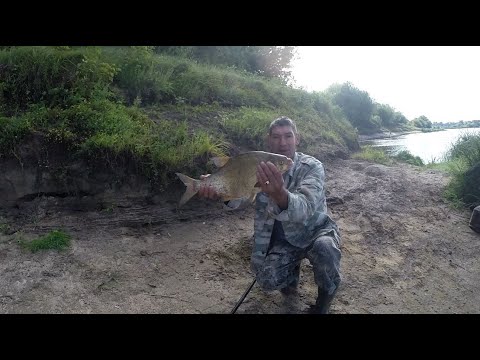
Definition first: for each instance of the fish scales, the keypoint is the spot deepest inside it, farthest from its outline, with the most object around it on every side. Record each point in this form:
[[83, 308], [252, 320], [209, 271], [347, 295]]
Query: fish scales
[[236, 177]]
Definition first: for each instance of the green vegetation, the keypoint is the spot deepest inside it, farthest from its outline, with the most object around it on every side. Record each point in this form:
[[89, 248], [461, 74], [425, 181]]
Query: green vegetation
[[167, 109], [268, 61], [4, 228], [442, 166], [422, 122], [161, 112], [373, 154], [55, 239], [466, 148], [363, 113], [464, 165], [406, 156], [457, 124]]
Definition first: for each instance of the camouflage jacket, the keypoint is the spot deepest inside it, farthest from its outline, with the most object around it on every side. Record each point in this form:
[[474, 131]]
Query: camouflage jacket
[[306, 215]]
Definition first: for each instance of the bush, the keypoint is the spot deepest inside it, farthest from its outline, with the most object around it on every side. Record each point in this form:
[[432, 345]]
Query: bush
[[406, 156], [373, 154], [464, 155]]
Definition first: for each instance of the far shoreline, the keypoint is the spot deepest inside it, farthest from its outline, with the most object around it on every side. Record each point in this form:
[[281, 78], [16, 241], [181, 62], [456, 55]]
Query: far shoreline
[[384, 135], [391, 134]]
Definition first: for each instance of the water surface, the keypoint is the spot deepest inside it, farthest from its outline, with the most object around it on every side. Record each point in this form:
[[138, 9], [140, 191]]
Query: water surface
[[430, 147]]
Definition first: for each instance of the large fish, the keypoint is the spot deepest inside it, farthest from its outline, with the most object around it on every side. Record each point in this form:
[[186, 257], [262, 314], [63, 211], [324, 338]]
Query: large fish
[[237, 175]]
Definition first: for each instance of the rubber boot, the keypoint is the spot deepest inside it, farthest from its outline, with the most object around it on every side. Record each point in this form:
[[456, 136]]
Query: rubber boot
[[324, 300]]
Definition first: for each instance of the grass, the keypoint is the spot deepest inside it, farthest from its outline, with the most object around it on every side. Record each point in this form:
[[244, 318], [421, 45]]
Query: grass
[[467, 147], [407, 157], [373, 154], [248, 125], [56, 239], [442, 166], [4, 228], [94, 102], [463, 190]]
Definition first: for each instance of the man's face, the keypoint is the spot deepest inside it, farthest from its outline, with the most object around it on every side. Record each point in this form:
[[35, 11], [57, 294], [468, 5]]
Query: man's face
[[282, 140]]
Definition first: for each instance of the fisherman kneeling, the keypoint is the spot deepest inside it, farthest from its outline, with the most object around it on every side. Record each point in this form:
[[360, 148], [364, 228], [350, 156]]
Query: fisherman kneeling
[[291, 221]]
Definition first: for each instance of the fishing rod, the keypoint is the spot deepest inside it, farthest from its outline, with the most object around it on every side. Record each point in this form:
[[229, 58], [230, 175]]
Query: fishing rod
[[239, 302]]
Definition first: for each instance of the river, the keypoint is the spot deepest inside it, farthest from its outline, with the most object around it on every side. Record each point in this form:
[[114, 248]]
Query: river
[[430, 146]]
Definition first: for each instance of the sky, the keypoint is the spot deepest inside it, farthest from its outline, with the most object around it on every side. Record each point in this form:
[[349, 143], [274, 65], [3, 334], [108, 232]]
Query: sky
[[439, 82]]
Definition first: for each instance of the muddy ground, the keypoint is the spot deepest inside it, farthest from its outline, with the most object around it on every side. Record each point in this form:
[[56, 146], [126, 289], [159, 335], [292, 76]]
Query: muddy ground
[[404, 251]]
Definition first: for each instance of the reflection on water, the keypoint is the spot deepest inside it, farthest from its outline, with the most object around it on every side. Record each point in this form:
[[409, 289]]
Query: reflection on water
[[430, 147]]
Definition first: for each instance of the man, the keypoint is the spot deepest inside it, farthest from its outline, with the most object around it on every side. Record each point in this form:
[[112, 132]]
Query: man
[[291, 221]]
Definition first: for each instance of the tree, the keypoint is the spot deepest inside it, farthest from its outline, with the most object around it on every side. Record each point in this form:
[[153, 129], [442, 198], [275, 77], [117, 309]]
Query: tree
[[400, 119], [267, 61], [356, 104], [274, 61], [391, 119], [422, 122], [387, 114]]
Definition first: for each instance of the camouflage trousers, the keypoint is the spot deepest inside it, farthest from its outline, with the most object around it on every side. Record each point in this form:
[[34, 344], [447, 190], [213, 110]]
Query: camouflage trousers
[[282, 263]]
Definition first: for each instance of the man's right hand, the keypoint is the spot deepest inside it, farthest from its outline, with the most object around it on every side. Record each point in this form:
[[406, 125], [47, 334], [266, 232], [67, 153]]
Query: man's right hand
[[206, 191]]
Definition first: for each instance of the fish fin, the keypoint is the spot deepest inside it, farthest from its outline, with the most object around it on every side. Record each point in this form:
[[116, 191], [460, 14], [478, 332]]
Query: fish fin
[[220, 161], [191, 190]]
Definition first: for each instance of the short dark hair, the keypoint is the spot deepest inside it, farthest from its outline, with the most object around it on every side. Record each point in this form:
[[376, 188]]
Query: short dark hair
[[282, 121]]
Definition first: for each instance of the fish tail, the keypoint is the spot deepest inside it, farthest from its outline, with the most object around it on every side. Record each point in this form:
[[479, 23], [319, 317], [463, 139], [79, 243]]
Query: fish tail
[[191, 190]]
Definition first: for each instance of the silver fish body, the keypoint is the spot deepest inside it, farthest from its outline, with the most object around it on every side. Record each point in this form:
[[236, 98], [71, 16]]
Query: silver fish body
[[236, 177]]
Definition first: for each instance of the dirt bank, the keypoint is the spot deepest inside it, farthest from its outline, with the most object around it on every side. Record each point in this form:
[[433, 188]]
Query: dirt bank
[[404, 251]]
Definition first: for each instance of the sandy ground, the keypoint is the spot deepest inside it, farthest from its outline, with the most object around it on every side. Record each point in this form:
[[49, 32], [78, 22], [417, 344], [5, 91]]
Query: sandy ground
[[404, 251]]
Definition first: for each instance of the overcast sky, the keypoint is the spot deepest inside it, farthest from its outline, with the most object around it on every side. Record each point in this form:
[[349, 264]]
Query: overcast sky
[[440, 82]]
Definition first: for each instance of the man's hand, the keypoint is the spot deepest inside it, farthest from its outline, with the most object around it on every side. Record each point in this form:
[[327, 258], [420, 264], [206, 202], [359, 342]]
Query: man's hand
[[206, 191], [271, 182]]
